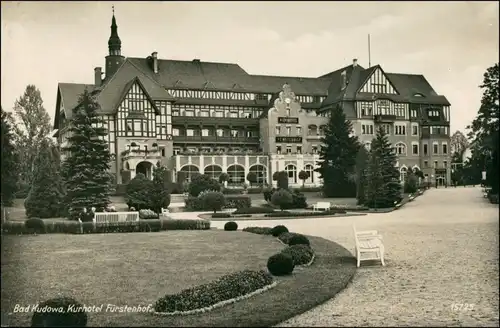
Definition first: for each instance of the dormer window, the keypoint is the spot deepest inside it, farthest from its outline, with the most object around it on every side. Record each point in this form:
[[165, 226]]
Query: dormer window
[[418, 95]]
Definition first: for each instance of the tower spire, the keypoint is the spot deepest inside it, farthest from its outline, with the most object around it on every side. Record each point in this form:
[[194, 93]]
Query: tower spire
[[114, 43]]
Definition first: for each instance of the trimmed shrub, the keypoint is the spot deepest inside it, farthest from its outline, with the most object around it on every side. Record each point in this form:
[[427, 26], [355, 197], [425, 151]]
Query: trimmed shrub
[[238, 201], [278, 230], [285, 237], [252, 177], [35, 225], [280, 264], [193, 204], [60, 318], [411, 184], [221, 215], [253, 210], [200, 183], [232, 191], [275, 176], [298, 239], [299, 200], [282, 180], [213, 200], [303, 175], [223, 178], [147, 215], [225, 288], [301, 254], [268, 193], [282, 198], [231, 226], [258, 230]]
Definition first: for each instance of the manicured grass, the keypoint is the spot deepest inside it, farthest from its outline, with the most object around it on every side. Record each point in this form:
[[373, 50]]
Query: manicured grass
[[255, 217], [137, 269]]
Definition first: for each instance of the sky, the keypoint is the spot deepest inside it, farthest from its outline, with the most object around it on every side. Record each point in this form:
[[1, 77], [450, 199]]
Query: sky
[[450, 43]]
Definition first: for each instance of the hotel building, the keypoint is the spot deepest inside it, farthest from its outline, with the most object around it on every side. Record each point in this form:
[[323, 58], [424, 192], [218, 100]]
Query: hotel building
[[208, 117]]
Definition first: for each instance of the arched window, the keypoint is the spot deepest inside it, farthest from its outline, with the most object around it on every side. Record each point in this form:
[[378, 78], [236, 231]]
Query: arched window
[[403, 173], [309, 169], [190, 171], [400, 148], [261, 172], [236, 174], [213, 171], [291, 171]]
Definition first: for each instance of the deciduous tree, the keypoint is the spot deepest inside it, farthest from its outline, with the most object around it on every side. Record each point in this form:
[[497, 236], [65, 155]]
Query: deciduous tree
[[10, 167]]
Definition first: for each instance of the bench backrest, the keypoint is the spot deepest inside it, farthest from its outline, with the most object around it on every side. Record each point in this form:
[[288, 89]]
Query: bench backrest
[[111, 217], [323, 204], [367, 234]]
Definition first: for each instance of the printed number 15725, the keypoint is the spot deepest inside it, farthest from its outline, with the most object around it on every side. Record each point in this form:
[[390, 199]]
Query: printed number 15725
[[462, 307]]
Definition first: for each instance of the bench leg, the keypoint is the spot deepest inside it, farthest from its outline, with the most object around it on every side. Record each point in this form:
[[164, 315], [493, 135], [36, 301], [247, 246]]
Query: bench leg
[[382, 257], [358, 259]]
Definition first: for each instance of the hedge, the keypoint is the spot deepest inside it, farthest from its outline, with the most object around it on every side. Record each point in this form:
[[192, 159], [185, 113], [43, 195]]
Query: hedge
[[304, 214], [221, 215], [232, 201], [258, 230], [254, 210], [206, 296], [74, 227], [300, 254]]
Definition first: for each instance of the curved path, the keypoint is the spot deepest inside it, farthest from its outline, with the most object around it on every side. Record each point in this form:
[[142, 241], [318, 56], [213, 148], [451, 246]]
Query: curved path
[[441, 249]]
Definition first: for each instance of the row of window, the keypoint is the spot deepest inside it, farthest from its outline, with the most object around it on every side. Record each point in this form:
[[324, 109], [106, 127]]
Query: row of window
[[397, 130], [212, 150], [289, 149], [382, 107], [400, 149], [210, 132], [227, 95], [216, 111]]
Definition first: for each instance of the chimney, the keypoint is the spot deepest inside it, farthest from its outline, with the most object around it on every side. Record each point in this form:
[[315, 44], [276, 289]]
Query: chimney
[[154, 55], [98, 76], [354, 62]]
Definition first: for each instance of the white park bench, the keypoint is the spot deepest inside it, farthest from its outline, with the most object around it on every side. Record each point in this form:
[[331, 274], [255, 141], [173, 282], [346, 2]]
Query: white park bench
[[368, 242], [116, 217], [321, 206]]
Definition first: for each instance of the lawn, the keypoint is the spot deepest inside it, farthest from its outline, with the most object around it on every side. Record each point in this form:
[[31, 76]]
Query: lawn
[[137, 269]]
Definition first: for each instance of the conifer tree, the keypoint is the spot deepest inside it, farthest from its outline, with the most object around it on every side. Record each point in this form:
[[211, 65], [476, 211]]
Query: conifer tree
[[9, 168], [45, 198], [360, 174], [86, 168], [160, 195], [382, 177], [338, 156]]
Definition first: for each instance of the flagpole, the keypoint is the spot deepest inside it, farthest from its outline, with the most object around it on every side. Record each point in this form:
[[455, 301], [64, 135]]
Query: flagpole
[[369, 53]]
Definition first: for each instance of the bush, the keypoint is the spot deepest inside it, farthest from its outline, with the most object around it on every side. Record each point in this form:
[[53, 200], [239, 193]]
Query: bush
[[221, 215], [298, 239], [231, 226], [268, 193], [65, 318], [275, 176], [252, 177], [223, 177], [299, 200], [411, 184], [282, 198], [35, 225], [232, 191], [200, 183], [258, 230], [282, 180], [147, 215], [225, 288], [213, 200], [280, 264], [138, 192], [278, 230], [256, 190], [301, 254], [238, 201], [253, 210]]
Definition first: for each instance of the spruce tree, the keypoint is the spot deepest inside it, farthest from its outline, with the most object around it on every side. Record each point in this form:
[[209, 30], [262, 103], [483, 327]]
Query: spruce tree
[[360, 174], [86, 168], [338, 156], [382, 177], [45, 198], [10, 169]]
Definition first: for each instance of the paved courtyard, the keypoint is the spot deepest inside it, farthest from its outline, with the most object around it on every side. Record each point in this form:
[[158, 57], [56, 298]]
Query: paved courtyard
[[441, 249]]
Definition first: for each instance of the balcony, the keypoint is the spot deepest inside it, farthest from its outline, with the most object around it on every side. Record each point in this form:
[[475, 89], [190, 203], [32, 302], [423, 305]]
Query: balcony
[[384, 118], [216, 139], [198, 120], [140, 153], [314, 136]]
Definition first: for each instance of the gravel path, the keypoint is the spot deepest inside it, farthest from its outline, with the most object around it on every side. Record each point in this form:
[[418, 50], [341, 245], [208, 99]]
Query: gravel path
[[441, 249]]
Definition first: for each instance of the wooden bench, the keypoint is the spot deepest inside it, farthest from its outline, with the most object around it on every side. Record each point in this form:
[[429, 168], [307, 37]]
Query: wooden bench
[[116, 217], [368, 242], [321, 206]]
